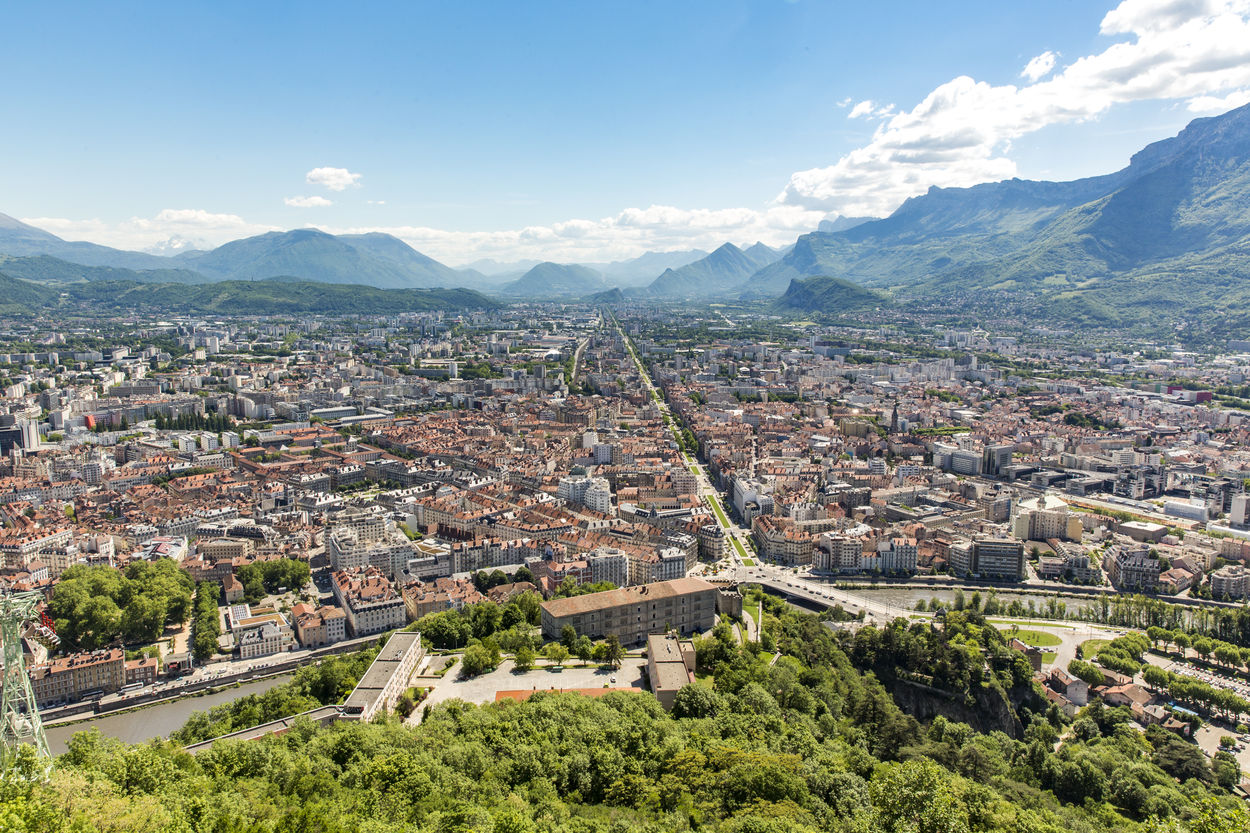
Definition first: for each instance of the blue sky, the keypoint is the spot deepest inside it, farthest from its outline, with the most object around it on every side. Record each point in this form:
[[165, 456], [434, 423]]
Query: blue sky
[[576, 130]]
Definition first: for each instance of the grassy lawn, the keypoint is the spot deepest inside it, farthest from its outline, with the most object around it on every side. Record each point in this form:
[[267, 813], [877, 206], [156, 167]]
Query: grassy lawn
[[753, 610], [1039, 639], [1048, 657], [1090, 647], [717, 511], [748, 562]]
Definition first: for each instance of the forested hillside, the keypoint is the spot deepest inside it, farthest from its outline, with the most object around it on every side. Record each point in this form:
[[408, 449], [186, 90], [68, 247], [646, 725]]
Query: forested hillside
[[812, 741]]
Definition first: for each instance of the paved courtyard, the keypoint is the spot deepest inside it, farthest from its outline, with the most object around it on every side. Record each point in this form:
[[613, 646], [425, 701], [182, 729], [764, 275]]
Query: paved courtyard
[[482, 689]]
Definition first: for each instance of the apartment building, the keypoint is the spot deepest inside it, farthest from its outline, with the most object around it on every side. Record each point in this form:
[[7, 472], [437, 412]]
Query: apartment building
[[685, 605], [1231, 582], [369, 601], [779, 540], [72, 677], [315, 628], [1133, 570]]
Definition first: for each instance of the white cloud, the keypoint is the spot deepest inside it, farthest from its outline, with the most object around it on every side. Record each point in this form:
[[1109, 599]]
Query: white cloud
[[173, 229], [1040, 66], [1218, 104], [864, 108], [376, 202], [626, 234], [307, 202], [1189, 50], [336, 179], [870, 109]]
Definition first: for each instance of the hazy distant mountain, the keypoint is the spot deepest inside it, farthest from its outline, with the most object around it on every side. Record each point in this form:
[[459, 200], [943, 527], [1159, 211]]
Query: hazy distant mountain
[[716, 274], [642, 270], [21, 240], [372, 259], [1171, 231], [842, 223], [549, 280], [51, 270], [494, 268]]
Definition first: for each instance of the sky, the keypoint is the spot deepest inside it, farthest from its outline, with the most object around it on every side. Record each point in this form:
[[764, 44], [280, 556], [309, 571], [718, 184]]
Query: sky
[[575, 131]]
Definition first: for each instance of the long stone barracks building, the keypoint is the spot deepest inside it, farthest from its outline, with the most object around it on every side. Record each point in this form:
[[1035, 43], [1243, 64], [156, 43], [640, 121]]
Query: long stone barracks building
[[685, 605]]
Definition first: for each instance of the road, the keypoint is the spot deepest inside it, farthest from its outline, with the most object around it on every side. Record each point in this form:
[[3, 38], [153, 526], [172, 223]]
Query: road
[[577, 359], [737, 535]]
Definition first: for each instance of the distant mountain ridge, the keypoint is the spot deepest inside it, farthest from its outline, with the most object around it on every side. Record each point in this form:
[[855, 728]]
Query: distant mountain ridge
[[716, 274], [275, 296], [371, 259], [21, 240], [1169, 232], [548, 280]]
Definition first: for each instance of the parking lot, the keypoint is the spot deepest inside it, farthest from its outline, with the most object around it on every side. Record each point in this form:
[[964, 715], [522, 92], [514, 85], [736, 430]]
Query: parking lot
[[482, 688]]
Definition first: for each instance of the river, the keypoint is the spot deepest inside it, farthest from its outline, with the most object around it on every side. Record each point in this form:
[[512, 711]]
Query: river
[[156, 721], [906, 597]]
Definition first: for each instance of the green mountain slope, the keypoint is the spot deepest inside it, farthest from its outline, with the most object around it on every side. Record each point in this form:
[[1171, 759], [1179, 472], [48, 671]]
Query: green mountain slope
[[48, 269], [827, 295], [1169, 232], [272, 297], [18, 296], [814, 738]]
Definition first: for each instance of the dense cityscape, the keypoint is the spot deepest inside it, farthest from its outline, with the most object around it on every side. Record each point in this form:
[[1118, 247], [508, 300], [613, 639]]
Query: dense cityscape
[[202, 502], [711, 417]]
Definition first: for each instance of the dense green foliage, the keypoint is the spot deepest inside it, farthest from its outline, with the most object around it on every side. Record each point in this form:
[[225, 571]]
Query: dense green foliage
[[264, 577], [830, 295], [804, 743], [194, 422], [328, 681], [96, 606], [206, 626], [509, 625]]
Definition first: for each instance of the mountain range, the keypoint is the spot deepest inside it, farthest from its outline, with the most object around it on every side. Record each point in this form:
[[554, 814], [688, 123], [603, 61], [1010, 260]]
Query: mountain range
[[1169, 233], [273, 296], [717, 274]]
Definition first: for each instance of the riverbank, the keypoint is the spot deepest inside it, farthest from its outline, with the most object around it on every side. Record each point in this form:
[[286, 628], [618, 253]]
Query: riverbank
[[155, 720]]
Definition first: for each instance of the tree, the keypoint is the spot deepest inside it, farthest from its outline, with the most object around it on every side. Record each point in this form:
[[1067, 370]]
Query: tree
[[524, 658], [615, 653], [477, 659], [1156, 677], [557, 653], [568, 637], [697, 701], [584, 649], [1086, 671]]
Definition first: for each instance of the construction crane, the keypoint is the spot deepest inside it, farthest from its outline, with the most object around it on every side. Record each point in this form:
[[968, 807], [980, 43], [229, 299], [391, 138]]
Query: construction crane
[[19, 716]]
